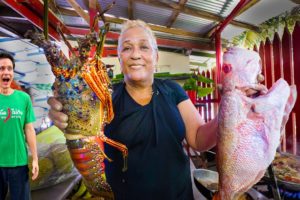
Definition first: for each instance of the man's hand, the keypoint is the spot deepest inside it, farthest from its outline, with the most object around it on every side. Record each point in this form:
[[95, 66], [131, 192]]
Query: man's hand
[[59, 118], [35, 169]]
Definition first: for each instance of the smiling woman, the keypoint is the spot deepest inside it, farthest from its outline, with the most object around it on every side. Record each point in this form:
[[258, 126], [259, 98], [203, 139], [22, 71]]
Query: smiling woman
[[152, 117], [138, 56]]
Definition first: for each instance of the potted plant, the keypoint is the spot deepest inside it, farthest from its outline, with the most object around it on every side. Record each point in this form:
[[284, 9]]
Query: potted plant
[[193, 89]]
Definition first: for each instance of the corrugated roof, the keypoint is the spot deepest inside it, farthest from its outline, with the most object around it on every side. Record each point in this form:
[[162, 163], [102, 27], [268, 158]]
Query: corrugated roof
[[151, 14], [193, 24], [220, 7], [173, 19]]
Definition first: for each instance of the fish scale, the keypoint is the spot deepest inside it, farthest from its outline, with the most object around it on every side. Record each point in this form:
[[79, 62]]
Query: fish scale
[[249, 127]]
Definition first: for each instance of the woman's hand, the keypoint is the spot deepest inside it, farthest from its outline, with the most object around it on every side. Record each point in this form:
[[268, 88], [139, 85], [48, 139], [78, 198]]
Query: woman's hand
[[256, 90], [56, 115]]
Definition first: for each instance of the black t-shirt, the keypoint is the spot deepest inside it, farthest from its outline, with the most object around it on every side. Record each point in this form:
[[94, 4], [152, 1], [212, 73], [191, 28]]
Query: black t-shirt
[[158, 168]]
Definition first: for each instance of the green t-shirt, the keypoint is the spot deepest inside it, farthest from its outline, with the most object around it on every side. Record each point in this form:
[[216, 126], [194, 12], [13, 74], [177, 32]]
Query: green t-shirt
[[15, 112]]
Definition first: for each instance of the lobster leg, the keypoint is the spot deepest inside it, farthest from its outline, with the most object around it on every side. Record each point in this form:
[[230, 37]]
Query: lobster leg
[[117, 145], [96, 77]]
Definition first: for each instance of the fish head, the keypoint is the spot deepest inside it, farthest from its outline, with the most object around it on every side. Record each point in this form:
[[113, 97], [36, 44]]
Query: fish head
[[241, 68]]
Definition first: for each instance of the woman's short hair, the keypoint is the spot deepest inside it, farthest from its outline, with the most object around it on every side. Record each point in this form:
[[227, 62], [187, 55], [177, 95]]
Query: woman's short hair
[[5, 54], [137, 23]]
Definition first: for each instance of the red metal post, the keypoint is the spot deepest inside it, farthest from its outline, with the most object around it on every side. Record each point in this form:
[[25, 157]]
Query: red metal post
[[219, 57], [232, 15], [218, 31]]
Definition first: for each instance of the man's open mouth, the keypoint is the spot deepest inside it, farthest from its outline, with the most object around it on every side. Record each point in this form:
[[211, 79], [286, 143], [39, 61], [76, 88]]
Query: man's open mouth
[[5, 79]]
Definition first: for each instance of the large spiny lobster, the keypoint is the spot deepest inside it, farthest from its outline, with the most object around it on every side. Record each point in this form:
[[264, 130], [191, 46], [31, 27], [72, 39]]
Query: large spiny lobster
[[82, 85]]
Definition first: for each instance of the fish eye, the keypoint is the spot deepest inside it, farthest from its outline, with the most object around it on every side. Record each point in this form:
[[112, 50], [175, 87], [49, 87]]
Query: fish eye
[[226, 68]]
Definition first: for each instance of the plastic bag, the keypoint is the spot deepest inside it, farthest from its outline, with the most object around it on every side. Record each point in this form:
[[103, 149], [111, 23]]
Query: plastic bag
[[55, 163]]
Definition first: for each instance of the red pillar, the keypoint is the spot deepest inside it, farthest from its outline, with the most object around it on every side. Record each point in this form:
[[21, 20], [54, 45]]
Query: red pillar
[[296, 55], [277, 52], [287, 54], [269, 63]]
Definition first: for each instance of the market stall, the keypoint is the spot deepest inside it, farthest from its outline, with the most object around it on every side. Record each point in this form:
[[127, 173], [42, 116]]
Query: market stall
[[191, 37]]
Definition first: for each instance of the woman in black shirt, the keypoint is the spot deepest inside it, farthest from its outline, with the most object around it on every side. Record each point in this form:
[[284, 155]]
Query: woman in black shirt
[[152, 117]]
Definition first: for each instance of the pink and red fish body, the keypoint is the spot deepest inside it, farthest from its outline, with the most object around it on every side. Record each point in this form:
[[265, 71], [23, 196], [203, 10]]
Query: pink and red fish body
[[249, 128]]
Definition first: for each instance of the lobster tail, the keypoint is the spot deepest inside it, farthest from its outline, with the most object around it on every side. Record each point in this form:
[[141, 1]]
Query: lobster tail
[[88, 158]]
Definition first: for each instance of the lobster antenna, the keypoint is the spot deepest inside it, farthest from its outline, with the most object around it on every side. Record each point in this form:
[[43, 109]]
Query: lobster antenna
[[101, 14], [65, 40], [102, 35]]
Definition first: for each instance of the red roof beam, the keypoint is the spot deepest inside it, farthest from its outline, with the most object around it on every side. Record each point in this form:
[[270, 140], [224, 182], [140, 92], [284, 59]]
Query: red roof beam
[[38, 6], [160, 42], [31, 16], [85, 31]]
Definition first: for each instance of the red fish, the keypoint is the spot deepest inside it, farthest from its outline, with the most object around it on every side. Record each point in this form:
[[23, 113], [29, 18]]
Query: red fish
[[249, 127]]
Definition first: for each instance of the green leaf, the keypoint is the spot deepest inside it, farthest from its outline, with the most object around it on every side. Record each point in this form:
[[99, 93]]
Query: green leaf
[[202, 92], [203, 79], [190, 84]]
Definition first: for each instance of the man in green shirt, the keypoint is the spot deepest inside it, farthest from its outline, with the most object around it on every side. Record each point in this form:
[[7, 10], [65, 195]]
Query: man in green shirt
[[16, 128]]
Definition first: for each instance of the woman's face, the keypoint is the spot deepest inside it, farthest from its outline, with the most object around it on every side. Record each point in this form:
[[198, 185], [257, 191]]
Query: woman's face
[[137, 56]]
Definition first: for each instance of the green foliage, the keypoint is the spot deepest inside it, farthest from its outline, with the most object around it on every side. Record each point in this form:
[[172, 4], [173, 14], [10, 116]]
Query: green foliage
[[192, 84], [161, 75], [267, 29], [202, 92], [247, 39]]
